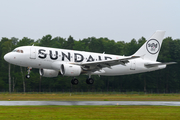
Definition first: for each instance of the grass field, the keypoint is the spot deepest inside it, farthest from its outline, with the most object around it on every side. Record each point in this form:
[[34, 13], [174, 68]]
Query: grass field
[[90, 97], [89, 112]]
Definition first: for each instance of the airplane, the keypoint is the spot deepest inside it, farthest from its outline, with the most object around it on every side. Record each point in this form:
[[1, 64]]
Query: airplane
[[52, 62]]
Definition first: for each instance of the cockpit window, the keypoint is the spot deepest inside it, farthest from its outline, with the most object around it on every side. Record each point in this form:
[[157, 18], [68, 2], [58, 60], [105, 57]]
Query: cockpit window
[[19, 51]]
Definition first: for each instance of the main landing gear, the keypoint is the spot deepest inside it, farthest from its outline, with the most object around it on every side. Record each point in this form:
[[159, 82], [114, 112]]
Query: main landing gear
[[29, 70], [89, 81], [74, 81]]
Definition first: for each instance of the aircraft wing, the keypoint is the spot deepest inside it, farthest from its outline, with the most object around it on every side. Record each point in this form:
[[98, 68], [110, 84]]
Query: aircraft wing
[[97, 65], [156, 64]]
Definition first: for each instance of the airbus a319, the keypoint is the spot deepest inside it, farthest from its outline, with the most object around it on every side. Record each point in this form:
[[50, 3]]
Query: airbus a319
[[52, 62]]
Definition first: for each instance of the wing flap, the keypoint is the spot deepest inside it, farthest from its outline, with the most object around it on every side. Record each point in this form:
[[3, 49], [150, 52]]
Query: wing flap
[[97, 65]]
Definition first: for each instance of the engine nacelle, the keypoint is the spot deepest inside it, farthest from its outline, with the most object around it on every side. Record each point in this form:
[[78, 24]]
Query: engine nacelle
[[48, 73], [70, 70]]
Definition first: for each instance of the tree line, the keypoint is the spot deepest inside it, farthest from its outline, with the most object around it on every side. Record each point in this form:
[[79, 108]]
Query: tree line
[[12, 78]]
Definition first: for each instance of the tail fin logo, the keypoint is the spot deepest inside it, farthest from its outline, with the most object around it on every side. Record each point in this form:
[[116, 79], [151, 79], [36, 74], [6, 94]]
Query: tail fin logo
[[152, 46]]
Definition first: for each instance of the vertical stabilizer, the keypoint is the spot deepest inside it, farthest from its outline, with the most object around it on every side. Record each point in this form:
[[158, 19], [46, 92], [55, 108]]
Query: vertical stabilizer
[[151, 47]]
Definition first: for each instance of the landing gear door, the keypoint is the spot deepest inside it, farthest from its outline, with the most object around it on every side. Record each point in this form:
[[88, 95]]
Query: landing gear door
[[133, 65], [32, 53]]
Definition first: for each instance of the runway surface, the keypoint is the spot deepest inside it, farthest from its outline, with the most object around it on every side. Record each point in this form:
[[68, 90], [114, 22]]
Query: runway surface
[[29, 103]]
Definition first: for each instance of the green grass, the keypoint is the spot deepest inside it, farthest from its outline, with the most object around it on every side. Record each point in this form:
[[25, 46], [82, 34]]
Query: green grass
[[89, 112], [89, 97]]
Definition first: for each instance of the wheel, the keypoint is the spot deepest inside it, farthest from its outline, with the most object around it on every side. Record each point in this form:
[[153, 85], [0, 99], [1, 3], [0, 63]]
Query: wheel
[[87, 81], [74, 81], [27, 76], [90, 81]]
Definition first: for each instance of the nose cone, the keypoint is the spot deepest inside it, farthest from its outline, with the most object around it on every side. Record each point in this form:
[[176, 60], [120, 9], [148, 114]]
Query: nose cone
[[7, 57]]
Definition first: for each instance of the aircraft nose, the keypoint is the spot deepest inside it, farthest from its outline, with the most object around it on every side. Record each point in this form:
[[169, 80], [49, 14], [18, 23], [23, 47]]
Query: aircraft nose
[[7, 57]]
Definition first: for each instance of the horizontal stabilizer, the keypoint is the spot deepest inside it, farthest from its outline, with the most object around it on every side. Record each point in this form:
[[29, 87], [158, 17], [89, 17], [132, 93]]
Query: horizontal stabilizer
[[156, 64]]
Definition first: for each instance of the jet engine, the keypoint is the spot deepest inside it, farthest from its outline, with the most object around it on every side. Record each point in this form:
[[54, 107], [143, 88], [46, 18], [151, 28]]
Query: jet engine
[[48, 73], [70, 70]]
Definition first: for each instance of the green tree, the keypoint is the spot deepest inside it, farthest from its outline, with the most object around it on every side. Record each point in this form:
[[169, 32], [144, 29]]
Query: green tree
[[6, 46], [70, 43], [25, 41], [46, 41]]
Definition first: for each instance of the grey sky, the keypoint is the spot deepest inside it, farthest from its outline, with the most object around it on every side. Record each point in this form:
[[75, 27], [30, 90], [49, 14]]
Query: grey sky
[[120, 20]]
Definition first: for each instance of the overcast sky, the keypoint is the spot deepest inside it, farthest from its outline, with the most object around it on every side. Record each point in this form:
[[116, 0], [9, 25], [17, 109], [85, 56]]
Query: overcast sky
[[119, 20]]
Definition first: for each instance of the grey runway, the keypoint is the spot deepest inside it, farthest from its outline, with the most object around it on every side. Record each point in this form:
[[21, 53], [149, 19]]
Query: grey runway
[[38, 103]]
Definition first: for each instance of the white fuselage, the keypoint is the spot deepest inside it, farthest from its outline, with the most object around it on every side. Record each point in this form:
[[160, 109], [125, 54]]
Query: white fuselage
[[52, 58]]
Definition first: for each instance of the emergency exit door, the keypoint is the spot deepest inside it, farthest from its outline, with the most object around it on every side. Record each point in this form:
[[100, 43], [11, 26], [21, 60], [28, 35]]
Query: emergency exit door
[[133, 65]]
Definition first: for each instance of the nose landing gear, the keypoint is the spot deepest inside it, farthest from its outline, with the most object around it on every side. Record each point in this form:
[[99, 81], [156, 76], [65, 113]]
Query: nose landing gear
[[29, 70], [27, 76]]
